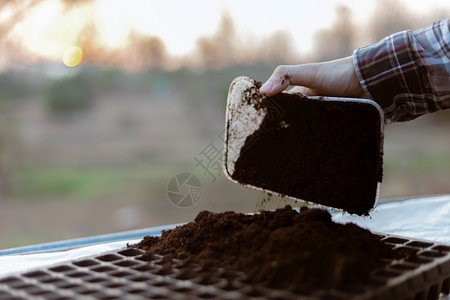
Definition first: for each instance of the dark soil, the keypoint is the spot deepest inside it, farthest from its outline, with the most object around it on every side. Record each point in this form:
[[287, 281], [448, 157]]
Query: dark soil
[[323, 152], [279, 248]]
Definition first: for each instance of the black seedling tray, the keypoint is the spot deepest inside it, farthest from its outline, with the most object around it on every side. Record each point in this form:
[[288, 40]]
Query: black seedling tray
[[422, 273]]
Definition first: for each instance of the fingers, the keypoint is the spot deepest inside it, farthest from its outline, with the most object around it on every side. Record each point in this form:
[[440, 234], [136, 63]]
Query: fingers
[[303, 90], [284, 76], [336, 78], [278, 82]]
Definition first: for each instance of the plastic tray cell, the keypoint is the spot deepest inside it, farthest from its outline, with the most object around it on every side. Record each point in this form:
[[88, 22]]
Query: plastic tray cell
[[423, 272]]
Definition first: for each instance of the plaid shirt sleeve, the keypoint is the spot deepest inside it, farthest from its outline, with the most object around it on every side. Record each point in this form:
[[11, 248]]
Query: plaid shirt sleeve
[[408, 73]]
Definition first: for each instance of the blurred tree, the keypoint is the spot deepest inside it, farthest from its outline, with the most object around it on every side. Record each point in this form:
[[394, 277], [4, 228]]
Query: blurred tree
[[69, 95], [219, 50], [146, 51], [337, 41], [227, 47], [390, 17], [275, 49], [393, 16]]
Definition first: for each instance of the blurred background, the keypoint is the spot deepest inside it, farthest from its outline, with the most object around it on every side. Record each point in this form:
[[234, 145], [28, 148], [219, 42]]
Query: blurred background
[[102, 103]]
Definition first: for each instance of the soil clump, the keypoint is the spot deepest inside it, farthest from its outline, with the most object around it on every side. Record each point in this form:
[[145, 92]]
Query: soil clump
[[279, 248]]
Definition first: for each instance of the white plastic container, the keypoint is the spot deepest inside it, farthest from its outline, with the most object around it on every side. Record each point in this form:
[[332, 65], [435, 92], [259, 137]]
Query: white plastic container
[[243, 119]]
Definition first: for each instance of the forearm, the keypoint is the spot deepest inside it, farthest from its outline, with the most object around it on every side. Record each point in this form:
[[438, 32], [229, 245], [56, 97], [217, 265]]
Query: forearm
[[407, 73]]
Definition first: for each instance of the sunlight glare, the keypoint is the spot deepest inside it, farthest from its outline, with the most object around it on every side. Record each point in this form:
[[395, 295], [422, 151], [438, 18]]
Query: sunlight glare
[[73, 56]]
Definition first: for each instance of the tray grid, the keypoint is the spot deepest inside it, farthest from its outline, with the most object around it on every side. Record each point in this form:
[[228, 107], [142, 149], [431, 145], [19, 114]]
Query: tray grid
[[422, 273]]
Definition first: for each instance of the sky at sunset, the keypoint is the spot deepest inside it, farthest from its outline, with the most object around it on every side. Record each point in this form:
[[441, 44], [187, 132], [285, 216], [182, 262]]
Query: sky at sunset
[[46, 29], [179, 25]]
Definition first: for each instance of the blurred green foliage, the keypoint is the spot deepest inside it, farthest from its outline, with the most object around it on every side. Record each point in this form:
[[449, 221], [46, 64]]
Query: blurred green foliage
[[20, 84], [194, 85], [62, 181], [69, 94], [65, 91]]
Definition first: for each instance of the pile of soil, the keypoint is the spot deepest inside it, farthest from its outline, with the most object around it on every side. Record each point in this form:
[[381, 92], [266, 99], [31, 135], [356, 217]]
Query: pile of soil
[[279, 248], [319, 151]]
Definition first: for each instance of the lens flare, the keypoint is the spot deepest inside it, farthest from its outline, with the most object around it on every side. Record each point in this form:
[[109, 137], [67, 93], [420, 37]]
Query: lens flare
[[73, 56]]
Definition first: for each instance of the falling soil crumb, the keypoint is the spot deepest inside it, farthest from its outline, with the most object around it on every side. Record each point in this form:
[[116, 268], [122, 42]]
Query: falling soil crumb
[[278, 248], [261, 205], [325, 152], [271, 202]]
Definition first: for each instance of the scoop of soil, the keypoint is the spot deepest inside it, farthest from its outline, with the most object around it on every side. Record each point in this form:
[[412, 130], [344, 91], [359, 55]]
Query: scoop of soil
[[326, 152], [277, 248]]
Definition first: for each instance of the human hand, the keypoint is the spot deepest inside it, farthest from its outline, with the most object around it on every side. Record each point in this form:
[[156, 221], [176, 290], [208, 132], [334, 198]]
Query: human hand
[[332, 78]]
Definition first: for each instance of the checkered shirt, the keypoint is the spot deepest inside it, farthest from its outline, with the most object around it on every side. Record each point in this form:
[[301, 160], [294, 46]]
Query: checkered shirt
[[408, 73]]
